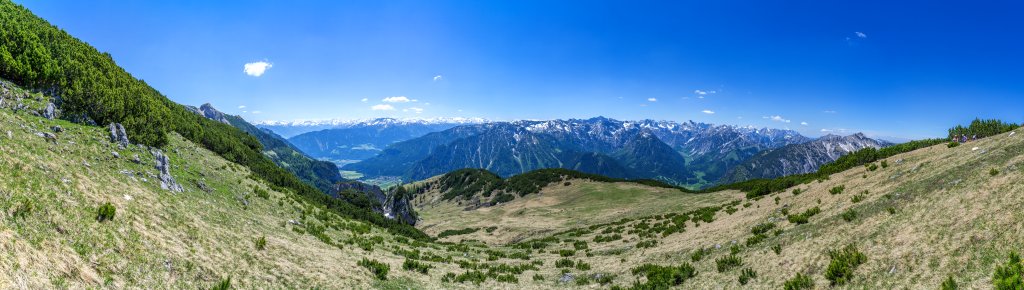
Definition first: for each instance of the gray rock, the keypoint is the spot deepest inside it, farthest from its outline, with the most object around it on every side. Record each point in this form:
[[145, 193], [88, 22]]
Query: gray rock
[[116, 155], [202, 186], [50, 112], [566, 278], [57, 129], [10, 135], [118, 135], [135, 158], [163, 165], [48, 136]]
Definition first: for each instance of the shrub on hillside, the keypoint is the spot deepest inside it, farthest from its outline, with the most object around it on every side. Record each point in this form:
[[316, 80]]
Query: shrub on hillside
[[762, 228], [564, 263], [804, 217], [849, 215], [844, 262], [799, 282], [224, 284], [663, 277], [105, 212], [448, 233], [261, 243], [949, 284], [777, 248], [378, 269], [952, 144], [993, 172], [837, 189], [1009, 275], [416, 266], [746, 275], [727, 263]]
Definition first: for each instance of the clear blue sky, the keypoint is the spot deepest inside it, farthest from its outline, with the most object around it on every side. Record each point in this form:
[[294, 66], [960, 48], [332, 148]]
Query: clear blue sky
[[887, 68]]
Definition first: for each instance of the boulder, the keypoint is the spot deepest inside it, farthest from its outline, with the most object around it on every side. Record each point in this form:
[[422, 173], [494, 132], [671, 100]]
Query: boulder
[[50, 112], [118, 135], [57, 129], [163, 165]]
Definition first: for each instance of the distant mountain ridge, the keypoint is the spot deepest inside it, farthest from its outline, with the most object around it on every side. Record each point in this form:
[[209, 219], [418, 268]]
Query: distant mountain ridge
[[800, 158], [687, 153], [365, 139], [290, 129]]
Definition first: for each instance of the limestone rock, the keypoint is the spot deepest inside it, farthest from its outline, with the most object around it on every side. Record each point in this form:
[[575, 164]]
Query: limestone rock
[[50, 112], [118, 135], [163, 165]]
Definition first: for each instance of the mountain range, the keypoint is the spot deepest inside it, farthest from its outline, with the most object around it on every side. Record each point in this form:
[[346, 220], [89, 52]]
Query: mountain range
[[289, 129], [347, 142], [687, 153], [800, 158]]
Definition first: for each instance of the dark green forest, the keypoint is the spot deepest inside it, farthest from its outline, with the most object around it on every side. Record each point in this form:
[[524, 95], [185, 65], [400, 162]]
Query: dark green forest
[[89, 87]]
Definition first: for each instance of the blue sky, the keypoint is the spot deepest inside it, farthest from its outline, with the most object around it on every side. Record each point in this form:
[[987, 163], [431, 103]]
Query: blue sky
[[908, 69]]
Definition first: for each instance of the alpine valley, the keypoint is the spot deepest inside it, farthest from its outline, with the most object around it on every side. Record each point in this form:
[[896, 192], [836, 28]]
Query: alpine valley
[[108, 183]]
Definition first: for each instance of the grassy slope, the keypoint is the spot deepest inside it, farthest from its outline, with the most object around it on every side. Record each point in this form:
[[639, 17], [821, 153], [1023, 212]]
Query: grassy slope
[[559, 207], [950, 217]]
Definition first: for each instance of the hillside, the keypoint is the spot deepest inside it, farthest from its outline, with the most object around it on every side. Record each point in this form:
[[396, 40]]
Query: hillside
[[919, 218], [321, 174], [87, 86]]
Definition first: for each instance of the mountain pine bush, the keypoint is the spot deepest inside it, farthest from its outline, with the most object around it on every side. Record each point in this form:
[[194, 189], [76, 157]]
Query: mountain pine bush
[[105, 212], [1009, 276], [378, 269], [663, 277], [727, 263], [844, 262], [799, 282], [746, 275]]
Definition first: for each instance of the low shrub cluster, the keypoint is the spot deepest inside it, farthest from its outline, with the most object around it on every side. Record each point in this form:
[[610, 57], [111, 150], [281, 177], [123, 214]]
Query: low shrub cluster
[[804, 217], [1010, 275], [663, 277], [416, 266], [448, 233], [746, 275], [844, 262], [379, 270], [727, 263], [105, 212], [799, 282]]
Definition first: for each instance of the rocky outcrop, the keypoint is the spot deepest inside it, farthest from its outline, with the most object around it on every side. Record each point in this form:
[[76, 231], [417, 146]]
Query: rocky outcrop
[[163, 165], [207, 111], [50, 112], [118, 135], [393, 204]]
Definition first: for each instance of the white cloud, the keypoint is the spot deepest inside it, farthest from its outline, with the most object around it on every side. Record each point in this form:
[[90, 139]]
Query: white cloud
[[256, 69], [364, 100], [652, 99], [860, 34], [709, 112], [804, 123], [830, 112], [257, 112], [703, 92], [241, 107], [383, 107], [413, 109], [438, 77], [777, 118], [398, 99]]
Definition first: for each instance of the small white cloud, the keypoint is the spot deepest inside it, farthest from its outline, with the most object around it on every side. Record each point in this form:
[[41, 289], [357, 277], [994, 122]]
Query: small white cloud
[[652, 99], [777, 118], [438, 77], [244, 111], [257, 112], [382, 107], [804, 123], [860, 34], [413, 109], [709, 112], [703, 92], [700, 97], [256, 69], [241, 107], [825, 130], [364, 100], [398, 99], [830, 112]]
